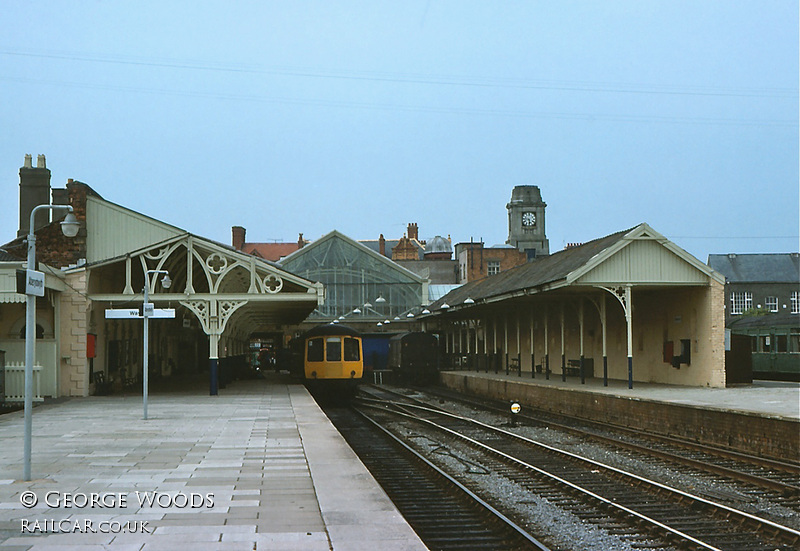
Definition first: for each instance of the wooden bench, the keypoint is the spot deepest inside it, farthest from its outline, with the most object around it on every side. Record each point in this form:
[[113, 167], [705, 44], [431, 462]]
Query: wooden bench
[[574, 368]]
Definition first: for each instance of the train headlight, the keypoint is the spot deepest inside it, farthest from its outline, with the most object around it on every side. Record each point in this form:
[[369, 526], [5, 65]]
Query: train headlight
[[313, 374], [352, 374]]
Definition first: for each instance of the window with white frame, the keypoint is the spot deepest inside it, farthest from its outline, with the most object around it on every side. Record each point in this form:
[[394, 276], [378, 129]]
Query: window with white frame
[[741, 301], [795, 302], [771, 303], [493, 267]]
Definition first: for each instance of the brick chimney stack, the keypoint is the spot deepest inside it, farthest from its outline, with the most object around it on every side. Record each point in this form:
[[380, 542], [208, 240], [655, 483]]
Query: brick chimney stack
[[60, 196], [34, 190], [301, 242], [413, 231], [238, 233], [382, 245]]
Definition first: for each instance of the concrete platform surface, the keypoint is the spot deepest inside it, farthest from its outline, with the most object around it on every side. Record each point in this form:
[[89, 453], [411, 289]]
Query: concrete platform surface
[[771, 398], [257, 467]]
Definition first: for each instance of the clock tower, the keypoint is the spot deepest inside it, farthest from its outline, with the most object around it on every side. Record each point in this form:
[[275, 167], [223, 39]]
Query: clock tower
[[526, 222]]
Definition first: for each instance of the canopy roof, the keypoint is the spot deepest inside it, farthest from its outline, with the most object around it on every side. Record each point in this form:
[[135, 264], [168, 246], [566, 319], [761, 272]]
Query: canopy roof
[[354, 275], [640, 257], [212, 280]]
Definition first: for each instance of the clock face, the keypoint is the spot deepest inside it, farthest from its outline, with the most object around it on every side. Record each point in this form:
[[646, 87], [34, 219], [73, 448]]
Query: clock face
[[528, 219]]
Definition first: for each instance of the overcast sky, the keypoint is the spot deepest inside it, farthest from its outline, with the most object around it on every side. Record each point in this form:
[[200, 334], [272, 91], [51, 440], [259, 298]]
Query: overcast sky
[[288, 117]]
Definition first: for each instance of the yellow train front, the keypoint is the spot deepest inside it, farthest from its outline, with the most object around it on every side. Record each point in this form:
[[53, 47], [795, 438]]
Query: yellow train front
[[333, 359]]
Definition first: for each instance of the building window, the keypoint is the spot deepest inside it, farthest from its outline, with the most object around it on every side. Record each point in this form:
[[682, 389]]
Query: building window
[[795, 302], [771, 303], [493, 267], [741, 301]]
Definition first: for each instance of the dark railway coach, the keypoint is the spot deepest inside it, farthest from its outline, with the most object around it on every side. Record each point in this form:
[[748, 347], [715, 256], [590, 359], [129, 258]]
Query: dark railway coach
[[414, 358]]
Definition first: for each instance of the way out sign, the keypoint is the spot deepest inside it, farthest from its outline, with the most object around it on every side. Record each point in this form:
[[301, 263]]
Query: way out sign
[[137, 313]]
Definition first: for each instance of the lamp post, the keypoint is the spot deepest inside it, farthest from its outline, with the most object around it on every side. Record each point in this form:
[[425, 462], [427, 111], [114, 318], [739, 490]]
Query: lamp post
[[147, 311], [69, 227]]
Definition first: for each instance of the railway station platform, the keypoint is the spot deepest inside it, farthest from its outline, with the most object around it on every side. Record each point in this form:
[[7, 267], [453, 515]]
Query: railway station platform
[[761, 418], [257, 467]]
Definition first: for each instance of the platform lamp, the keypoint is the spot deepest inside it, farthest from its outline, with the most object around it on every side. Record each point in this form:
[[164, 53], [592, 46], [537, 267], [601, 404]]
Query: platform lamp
[[381, 300], [146, 313], [69, 227]]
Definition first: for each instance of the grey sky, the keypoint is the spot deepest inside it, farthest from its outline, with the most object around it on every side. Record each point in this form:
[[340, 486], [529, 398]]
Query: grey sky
[[288, 117]]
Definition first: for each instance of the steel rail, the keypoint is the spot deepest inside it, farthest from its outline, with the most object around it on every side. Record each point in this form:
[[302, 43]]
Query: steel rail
[[785, 489], [786, 533], [500, 516], [776, 464]]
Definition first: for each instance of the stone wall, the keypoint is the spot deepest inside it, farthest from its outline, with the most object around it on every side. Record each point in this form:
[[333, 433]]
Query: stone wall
[[746, 432], [74, 326]]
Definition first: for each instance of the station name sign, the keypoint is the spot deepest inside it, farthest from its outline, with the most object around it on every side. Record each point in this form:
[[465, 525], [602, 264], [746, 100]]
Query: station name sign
[[138, 313], [30, 282]]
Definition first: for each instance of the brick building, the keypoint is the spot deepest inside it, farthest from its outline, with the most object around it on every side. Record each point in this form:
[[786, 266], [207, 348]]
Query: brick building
[[526, 239], [762, 304], [766, 282], [268, 251]]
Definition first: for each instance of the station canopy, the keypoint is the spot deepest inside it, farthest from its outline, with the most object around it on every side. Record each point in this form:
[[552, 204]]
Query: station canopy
[[220, 285]]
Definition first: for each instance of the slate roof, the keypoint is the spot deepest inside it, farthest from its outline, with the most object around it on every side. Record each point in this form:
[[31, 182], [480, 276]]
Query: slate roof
[[757, 268], [538, 273], [270, 251], [5, 256], [780, 319]]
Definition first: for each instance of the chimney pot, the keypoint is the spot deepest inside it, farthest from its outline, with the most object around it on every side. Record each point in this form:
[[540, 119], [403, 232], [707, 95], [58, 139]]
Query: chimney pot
[[28, 161], [34, 190], [40, 162]]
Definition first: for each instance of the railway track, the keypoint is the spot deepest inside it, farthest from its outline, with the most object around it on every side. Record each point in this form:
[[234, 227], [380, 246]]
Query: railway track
[[782, 477], [604, 495], [444, 513], [778, 481]]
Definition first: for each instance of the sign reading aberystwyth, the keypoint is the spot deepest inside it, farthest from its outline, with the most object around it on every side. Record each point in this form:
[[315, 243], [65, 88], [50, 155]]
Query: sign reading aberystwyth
[[30, 282], [34, 283]]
